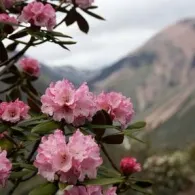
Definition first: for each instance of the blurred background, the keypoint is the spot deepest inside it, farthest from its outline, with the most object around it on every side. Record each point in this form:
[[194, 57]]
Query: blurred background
[[146, 50]]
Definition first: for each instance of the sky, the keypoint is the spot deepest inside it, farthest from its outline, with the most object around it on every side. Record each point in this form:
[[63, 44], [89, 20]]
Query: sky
[[129, 24]]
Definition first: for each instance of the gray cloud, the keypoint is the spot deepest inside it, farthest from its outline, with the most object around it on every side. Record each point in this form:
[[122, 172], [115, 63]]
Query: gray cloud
[[128, 24]]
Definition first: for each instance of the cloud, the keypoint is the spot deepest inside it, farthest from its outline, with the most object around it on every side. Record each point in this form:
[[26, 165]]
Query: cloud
[[128, 25]]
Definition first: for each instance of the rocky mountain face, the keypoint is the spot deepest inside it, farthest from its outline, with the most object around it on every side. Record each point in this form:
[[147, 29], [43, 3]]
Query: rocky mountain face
[[159, 76]]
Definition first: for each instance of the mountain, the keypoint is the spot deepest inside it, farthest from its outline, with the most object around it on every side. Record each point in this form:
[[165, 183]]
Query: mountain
[[160, 79], [51, 74]]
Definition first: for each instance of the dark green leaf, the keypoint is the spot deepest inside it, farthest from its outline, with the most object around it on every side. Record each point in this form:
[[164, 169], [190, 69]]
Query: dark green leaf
[[113, 139], [33, 105], [68, 42], [10, 80], [19, 174], [59, 34], [12, 46], [94, 15], [100, 118], [82, 23], [71, 17], [45, 127], [140, 189], [3, 55], [137, 125], [143, 184], [15, 93], [33, 120], [3, 127], [104, 181], [45, 189], [20, 34], [31, 87], [26, 166]]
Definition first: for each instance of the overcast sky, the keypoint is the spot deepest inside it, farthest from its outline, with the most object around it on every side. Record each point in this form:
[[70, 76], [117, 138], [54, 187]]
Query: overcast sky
[[129, 23]]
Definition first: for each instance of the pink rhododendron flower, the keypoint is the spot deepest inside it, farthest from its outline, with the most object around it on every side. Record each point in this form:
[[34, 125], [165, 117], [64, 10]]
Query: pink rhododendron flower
[[30, 66], [53, 156], [86, 157], [5, 167], [110, 191], [82, 3], [14, 111], [90, 190], [8, 28], [129, 165], [118, 107], [76, 190], [39, 14], [71, 162], [63, 101]]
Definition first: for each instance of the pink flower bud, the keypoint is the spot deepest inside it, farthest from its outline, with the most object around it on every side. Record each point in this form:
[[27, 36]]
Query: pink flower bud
[[8, 28], [30, 66], [5, 167], [129, 165]]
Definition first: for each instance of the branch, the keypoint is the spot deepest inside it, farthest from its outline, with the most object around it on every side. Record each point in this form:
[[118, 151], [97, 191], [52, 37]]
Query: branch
[[108, 157]]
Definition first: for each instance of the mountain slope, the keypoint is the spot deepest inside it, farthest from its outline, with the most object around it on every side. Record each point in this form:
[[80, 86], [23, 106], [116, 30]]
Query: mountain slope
[[160, 79]]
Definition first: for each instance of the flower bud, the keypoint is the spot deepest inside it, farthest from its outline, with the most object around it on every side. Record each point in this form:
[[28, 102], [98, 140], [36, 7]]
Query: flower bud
[[129, 165]]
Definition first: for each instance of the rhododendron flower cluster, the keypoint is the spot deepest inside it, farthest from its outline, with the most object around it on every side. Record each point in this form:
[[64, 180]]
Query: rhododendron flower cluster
[[129, 165], [39, 14], [63, 101], [5, 167], [90, 190], [30, 66], [82, 3], [14, 111], [8, 28], [118, 107], [71, 161]]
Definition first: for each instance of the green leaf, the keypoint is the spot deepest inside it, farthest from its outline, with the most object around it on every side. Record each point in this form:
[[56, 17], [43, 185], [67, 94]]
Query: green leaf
[[12, 46], [33, 105], [4, 55], [68, 42], [62, 186], [45, 127], [31, 121], [10, 80], [23, 165], [104, 181], [140, 189], [129, 134], [137, 125], [19, 174], [143, 184], [106, 172], [6, 144], [45, 189], [59, 34], [71, 17], [101, 120], [32, 137], [113, 139], [19, 34], [3, 127], [93, 15], [15, 93], [82, 23]]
